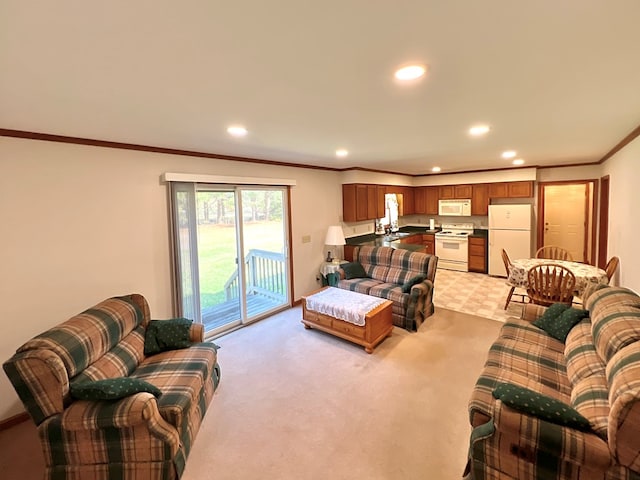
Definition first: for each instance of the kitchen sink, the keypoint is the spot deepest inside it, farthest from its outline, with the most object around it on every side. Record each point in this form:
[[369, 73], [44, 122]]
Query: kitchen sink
[[396, 236]]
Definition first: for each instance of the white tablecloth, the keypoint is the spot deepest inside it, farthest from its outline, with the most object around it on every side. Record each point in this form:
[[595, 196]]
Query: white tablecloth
[[584, 273], [343, 304]]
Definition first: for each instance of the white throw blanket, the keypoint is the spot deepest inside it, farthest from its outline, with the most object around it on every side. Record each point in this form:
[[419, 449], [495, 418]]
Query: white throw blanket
[[343, 304]]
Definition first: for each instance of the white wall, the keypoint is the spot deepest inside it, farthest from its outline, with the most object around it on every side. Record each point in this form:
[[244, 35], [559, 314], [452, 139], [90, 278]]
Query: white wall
[[80, 224], [624, 198], [509, 175], [559, 174]]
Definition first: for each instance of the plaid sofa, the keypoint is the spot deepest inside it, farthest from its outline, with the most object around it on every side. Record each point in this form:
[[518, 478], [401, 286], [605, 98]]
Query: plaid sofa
[[388, 268], [138, 437], [596, 371]]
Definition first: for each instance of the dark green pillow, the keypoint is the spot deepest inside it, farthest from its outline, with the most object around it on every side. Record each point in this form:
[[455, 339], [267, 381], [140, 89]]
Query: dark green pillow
[[540, 406], [353, 270], [406, 286], [112, 389], [162, 335], [558, 320]]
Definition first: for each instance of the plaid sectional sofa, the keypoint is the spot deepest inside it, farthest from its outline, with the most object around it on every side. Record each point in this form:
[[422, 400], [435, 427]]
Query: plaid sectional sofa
[[387, 269], [138, 437], [596, 371]]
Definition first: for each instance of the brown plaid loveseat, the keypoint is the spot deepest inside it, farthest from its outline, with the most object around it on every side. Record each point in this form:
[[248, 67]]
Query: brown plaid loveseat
[[596, 371], [387, 269], [139, 437]]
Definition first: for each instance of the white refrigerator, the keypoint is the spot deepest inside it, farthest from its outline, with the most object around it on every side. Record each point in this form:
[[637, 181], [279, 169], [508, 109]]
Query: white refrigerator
[[509, 228]]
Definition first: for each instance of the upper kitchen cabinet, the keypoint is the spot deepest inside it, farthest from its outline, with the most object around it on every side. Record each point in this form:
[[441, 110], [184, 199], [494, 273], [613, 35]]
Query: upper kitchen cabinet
[[362, 202], [446, 192], [419, 199], [431, 200], [511, 190], [408, 202], [480, 199]]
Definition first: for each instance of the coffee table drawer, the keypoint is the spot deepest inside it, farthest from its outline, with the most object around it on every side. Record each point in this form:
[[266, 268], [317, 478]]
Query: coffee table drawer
[[348, 328]]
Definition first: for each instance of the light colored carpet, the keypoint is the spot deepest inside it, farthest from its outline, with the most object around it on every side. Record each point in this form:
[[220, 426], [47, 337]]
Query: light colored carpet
[[301, 404]]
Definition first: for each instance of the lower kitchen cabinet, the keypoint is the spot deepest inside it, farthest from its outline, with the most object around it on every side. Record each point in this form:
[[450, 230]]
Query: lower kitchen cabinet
[[429, 242], [478, 254]]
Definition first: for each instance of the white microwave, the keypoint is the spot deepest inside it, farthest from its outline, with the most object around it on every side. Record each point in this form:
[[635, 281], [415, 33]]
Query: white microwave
[[455, 208]]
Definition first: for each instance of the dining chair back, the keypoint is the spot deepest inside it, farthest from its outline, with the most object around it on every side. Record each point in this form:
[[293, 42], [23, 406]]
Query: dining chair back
[[507, 266], [553, 252], [550, 283], [612, 266]]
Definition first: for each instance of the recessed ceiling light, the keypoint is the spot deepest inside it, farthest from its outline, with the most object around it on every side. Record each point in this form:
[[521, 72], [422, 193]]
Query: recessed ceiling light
[[479, 130], [237, 131], [518, 161], [436, 169], [509, 154], [410, 72], [342, 152]]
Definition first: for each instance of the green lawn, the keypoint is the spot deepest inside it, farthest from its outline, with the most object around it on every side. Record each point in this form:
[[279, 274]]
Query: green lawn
[[217, 253]]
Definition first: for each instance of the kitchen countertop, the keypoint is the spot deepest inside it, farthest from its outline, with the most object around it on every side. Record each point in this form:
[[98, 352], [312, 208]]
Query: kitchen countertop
[[393, 241]]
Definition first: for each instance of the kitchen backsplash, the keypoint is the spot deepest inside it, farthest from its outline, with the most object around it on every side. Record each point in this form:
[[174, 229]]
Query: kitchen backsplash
[[478, 221]]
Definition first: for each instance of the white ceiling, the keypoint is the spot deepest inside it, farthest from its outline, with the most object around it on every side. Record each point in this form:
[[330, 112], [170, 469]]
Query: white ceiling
[[558, 81]]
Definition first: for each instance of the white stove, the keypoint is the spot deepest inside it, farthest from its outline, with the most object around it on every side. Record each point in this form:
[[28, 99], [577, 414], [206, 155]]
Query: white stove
[[452, 246]]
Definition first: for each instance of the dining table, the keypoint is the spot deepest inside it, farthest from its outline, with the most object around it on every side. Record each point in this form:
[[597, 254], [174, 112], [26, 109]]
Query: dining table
[[585, 274]]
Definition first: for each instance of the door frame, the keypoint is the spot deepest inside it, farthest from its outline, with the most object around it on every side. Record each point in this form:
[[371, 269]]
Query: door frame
[[590, 219], [603, 224]]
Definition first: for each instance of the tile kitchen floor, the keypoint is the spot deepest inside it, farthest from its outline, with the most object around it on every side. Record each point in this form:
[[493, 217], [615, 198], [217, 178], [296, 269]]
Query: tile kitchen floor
[[475, 293]]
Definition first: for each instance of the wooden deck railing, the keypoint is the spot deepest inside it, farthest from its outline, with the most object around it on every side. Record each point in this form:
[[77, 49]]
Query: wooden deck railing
[[266, 275]]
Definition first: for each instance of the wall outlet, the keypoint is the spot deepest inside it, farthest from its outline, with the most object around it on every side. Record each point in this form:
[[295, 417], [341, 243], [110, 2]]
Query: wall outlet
[[306, 238]]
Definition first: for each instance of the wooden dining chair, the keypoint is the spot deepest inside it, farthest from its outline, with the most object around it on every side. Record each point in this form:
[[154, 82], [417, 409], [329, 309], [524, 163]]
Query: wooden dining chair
[[553, 252], [549, 283], [612, 266], [507, 266]]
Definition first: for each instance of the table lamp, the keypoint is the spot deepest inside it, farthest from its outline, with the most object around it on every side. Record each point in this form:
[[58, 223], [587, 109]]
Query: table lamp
[[334, 237]]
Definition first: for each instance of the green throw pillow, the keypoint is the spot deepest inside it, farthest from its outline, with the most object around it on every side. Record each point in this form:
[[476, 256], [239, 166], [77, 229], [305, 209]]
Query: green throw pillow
[[112, 389], [162, 335], [540, 406], [353, 270], [406, 286], [558, 320]]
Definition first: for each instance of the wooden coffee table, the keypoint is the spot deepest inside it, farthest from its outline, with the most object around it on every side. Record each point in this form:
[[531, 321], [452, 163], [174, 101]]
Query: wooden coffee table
[[378, 323]]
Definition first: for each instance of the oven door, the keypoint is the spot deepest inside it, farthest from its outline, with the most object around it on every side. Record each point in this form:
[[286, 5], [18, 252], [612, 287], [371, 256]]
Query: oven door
[[452, 253]]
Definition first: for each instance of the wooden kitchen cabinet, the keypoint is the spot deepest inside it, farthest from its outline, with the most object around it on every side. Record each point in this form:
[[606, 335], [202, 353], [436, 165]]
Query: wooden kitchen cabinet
[[520, 189], [408, 201], [447, 192], [480, 199], [419, 199], [431, 200], [429, 242], [478, 254], [511, 190], [362, 202]]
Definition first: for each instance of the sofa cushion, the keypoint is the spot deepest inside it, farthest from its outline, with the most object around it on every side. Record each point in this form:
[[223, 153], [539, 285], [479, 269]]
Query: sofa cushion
[[538, 362], [614, 328], [162, 335], [482, 403], [590, 397], [582, 359], [180, 375], [390, 291], [353, 270], [85, 338], [120, 361], [112, 389], [525, 332], [375, 261], [360, 285], [540, 406], [559, 319]]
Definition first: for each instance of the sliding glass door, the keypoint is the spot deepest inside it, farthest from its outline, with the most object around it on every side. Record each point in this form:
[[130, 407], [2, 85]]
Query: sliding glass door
[[232, 262]]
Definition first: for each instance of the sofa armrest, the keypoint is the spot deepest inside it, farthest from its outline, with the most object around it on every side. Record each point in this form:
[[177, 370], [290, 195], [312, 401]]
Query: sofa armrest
[[531, 438], [532, 312], [196, 334]]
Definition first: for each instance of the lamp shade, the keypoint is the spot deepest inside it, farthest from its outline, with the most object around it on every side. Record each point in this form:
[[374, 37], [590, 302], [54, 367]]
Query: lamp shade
[[334, 236]]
